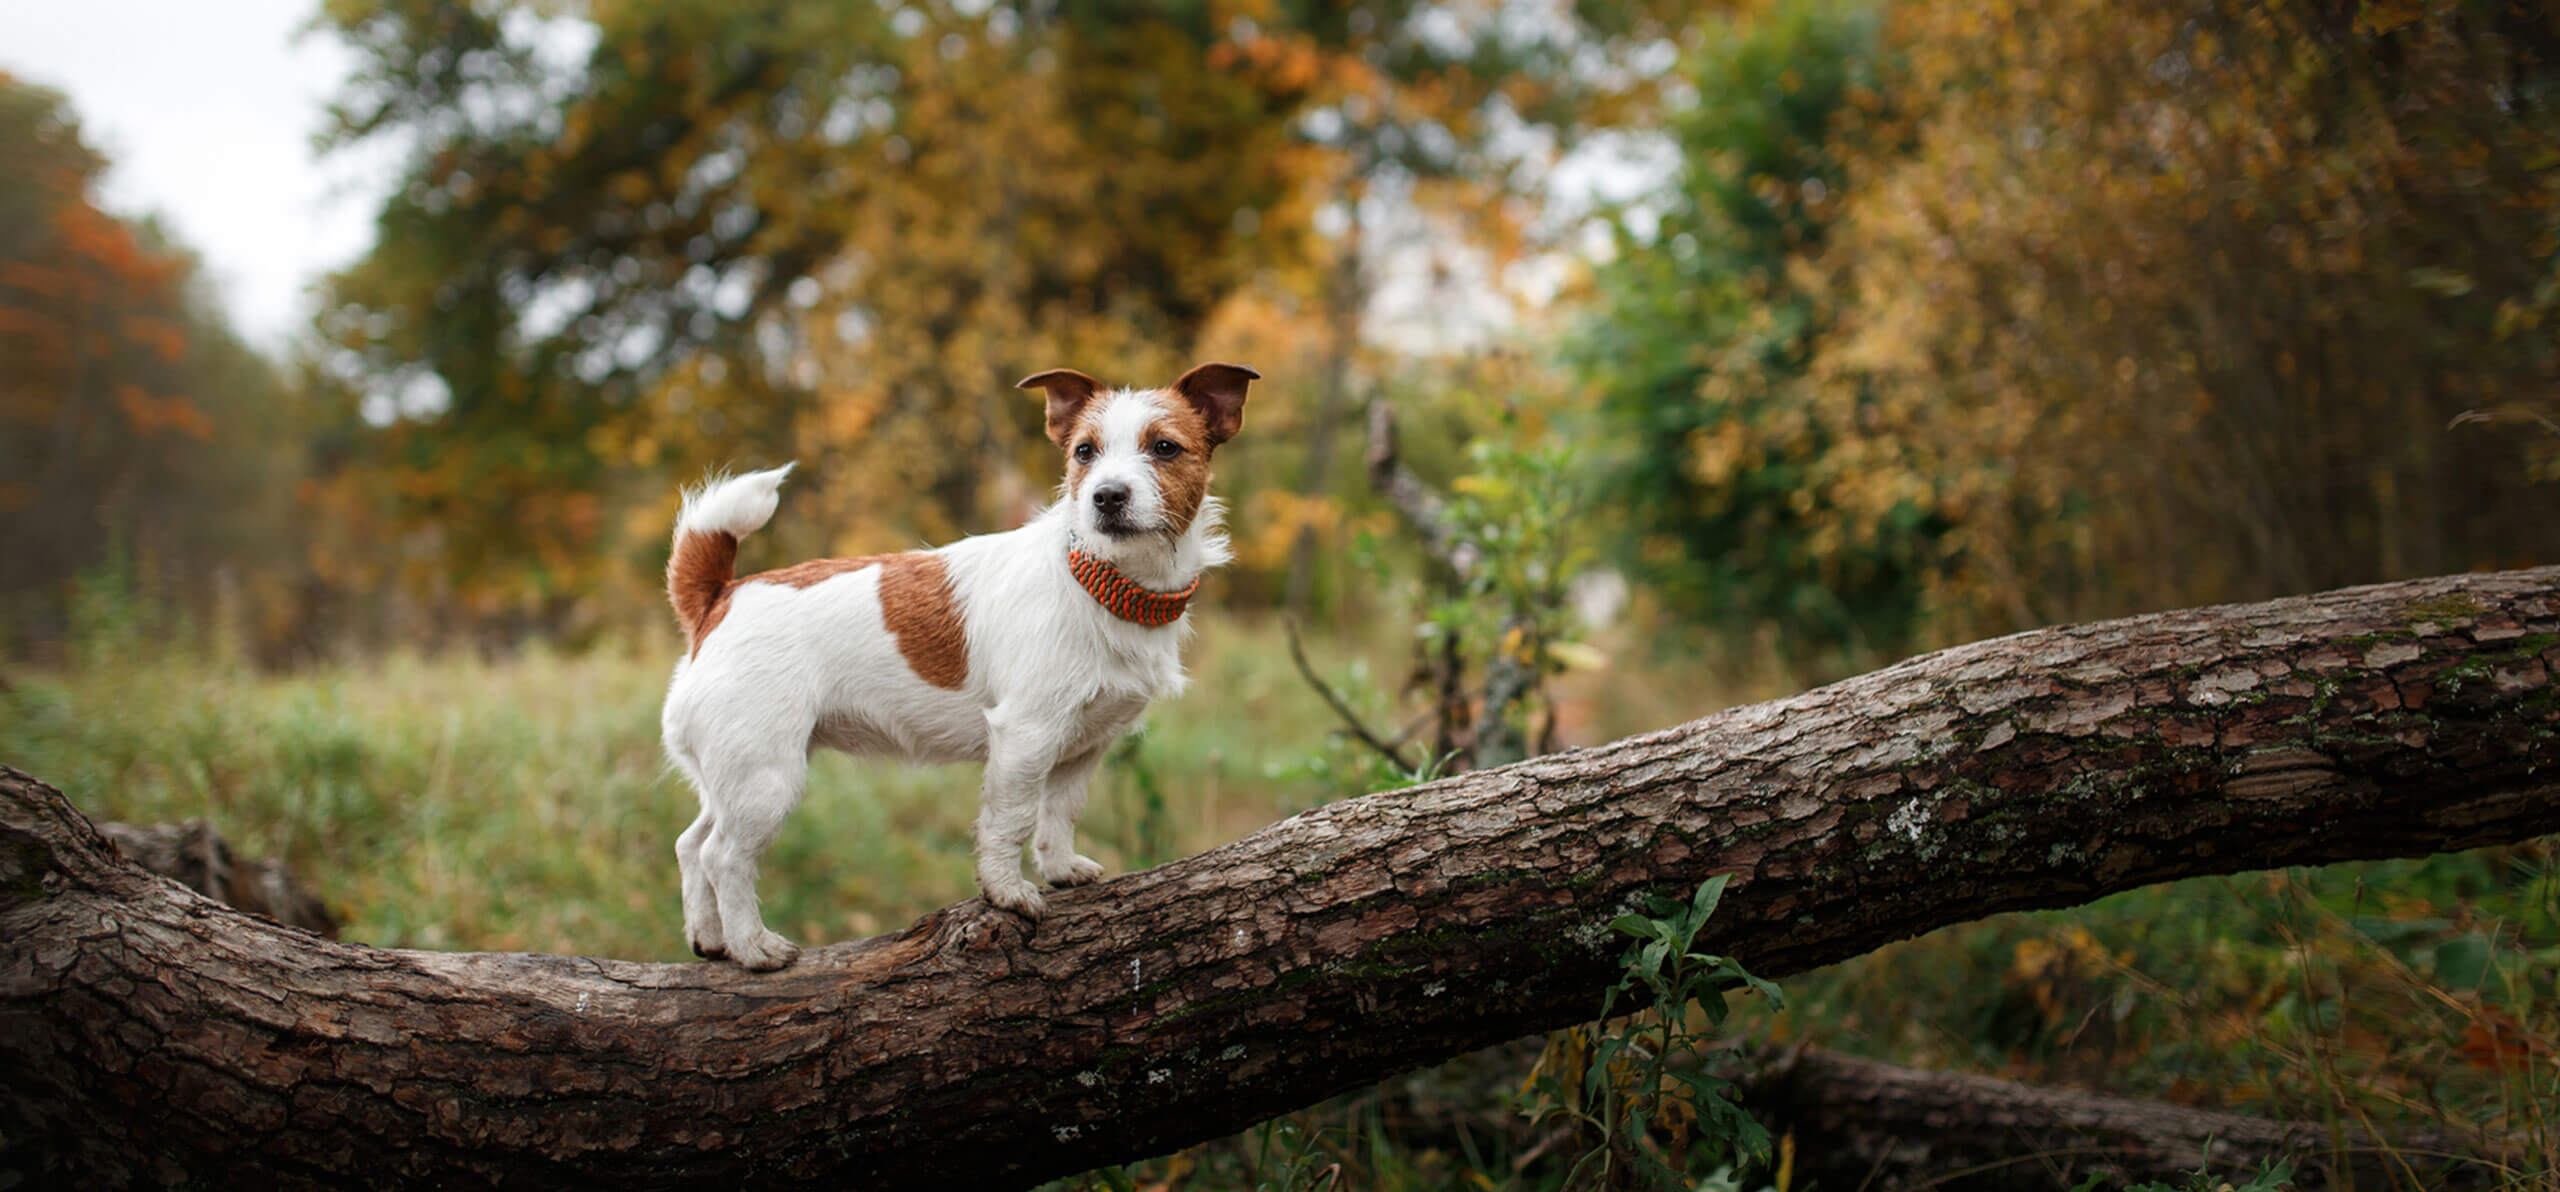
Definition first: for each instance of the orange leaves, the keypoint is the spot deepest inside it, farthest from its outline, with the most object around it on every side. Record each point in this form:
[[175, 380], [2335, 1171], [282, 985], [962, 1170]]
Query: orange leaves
[[2493, 1039], [36, 280], [149, 415], [88, 313]]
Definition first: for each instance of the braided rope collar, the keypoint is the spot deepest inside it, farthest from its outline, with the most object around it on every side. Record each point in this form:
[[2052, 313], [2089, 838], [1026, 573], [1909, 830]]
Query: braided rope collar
[[1123, 597]]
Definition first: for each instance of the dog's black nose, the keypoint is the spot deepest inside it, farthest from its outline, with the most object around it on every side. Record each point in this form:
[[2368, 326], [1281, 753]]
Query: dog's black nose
[[1111, 498]]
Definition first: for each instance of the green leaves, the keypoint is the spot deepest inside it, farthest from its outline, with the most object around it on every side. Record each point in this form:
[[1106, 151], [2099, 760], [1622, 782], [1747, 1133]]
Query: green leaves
[[1665, 963], [1751, 500], [1648, 1096]]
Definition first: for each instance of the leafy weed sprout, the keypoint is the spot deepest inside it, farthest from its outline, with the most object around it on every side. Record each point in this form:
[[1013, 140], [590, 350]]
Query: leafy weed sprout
[[1640, 1089]]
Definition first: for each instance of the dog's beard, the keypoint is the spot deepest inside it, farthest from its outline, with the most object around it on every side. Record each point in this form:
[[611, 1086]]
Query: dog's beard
[[1120, 527]]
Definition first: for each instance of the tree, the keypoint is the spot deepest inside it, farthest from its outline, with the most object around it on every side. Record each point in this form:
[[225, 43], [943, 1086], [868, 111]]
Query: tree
[[147, 1034], [1963, 317], [681, 235], [2203, 280], [137, 433], [1705, 324]]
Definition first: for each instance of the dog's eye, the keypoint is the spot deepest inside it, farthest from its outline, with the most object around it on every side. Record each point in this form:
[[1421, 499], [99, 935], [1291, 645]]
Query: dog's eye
[[1165, 448], [1084, 453]]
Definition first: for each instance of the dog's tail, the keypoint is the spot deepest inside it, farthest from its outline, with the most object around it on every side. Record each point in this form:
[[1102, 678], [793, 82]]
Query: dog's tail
[[715, 517]]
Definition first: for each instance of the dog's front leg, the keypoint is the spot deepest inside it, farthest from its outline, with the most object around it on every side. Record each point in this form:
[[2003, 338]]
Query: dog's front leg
[[1053, 844], [1022, 750]]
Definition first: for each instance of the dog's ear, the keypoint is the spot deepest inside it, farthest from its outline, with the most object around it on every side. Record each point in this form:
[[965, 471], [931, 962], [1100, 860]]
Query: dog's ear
[[1217, 391], [1068, 391]]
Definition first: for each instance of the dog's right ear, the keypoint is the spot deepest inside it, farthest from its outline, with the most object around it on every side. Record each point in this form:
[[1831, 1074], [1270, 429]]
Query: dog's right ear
[[1068, 390]]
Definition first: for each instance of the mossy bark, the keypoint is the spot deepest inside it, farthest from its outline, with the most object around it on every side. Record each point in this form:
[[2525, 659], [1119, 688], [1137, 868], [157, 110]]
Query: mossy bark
[[1860, 1123], [148, 1035]]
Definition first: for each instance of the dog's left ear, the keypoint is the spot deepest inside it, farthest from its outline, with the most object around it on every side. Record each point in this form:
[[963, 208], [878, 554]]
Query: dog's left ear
[[1217, 391], [1068, 391]]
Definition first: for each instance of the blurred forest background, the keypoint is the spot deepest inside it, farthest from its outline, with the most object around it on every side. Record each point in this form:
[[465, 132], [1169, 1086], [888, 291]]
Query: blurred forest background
[[1735, 347]]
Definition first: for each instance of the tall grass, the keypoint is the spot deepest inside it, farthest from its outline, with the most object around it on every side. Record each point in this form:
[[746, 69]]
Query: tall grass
[[524, 804]]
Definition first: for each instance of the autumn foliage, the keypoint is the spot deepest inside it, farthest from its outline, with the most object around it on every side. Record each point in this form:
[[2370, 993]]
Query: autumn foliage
[[133, 427], [1968, 317], [679, 237]]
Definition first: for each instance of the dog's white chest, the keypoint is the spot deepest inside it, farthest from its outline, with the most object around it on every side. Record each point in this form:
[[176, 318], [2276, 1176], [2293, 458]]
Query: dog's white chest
[[1106, 717]]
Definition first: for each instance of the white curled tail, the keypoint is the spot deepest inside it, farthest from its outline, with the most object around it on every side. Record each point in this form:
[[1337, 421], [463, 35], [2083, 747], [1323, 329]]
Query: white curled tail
[[715, 516]]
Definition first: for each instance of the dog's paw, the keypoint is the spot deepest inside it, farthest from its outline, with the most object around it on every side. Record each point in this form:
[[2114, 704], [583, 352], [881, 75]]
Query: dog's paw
[[707, 944], [769, 952], [1018, 896], [1078, 871]]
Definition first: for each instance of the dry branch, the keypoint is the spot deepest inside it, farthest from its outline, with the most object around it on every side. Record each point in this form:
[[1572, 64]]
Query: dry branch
[[148, 1034], [202, 861], [1862, 1123]]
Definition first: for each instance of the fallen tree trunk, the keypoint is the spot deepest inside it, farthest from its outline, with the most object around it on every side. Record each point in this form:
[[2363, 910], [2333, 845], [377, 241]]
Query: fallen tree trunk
[[149, 1035], [1859, 1123], [201, 860]]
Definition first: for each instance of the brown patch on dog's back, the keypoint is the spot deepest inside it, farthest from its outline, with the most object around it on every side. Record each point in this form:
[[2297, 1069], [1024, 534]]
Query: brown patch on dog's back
[[915, 598], [915, 602], [1184, 479]]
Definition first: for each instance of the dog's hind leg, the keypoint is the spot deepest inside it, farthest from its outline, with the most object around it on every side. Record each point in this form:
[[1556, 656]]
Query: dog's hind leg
[[1053, 842], [701, 906], [746, 804]]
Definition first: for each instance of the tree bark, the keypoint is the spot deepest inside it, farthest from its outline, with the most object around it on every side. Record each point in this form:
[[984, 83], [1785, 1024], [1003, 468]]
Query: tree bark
[[150, 1035], [1859, 1123], [201, 860]]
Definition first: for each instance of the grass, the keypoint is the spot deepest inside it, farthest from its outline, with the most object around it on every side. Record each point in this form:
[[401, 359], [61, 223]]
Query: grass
[[522, 804]]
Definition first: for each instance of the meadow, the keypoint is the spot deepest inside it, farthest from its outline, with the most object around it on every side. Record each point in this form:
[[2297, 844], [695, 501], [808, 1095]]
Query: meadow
[[521, 803]]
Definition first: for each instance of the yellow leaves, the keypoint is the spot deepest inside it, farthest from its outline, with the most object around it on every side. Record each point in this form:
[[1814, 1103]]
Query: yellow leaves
[[2384, 16], [1273, 519], [2450, 283], [631, 186], [1578, 656], [1720, 452], [2051, 969], [1279, 61]]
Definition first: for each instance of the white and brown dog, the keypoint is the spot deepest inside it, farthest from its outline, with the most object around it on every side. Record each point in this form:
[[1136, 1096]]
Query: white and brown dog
[[1031, 650]]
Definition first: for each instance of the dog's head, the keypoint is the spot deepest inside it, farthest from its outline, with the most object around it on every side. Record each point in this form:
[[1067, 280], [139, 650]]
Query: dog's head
[[1138, 459]]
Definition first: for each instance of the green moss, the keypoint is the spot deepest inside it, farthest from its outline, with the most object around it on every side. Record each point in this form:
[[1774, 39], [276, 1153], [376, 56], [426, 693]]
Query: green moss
[[2532, 644], [2453, 606], [2462, 673]]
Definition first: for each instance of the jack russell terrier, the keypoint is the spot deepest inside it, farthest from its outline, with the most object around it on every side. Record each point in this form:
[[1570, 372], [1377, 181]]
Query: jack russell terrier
[[1031, 650]]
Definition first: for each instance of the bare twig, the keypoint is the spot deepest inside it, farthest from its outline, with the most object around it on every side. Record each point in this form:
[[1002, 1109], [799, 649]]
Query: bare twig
[[1350, 719], [1421, 507]]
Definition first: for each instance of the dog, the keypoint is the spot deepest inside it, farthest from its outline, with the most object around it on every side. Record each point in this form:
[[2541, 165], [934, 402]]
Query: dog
[[1030, 650]]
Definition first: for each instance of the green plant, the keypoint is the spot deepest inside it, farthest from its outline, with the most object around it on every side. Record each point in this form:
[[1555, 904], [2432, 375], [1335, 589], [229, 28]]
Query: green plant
[[1641, 1089], [1149, 835], [2274, 1177], [1505, 544]]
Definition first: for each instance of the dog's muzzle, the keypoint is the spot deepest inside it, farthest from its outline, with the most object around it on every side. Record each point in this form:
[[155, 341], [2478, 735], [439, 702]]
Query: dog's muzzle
[[1111, 510]]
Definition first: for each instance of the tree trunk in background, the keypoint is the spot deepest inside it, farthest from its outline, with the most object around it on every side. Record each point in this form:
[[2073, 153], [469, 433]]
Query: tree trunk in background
[[1861, 1123], [1346, 301], [148, 1034]]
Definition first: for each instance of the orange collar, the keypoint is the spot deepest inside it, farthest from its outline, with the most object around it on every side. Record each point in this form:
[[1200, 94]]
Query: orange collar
[[1122, 595]]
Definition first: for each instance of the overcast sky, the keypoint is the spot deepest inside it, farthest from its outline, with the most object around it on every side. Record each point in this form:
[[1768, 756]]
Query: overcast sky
[[206, 108]]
